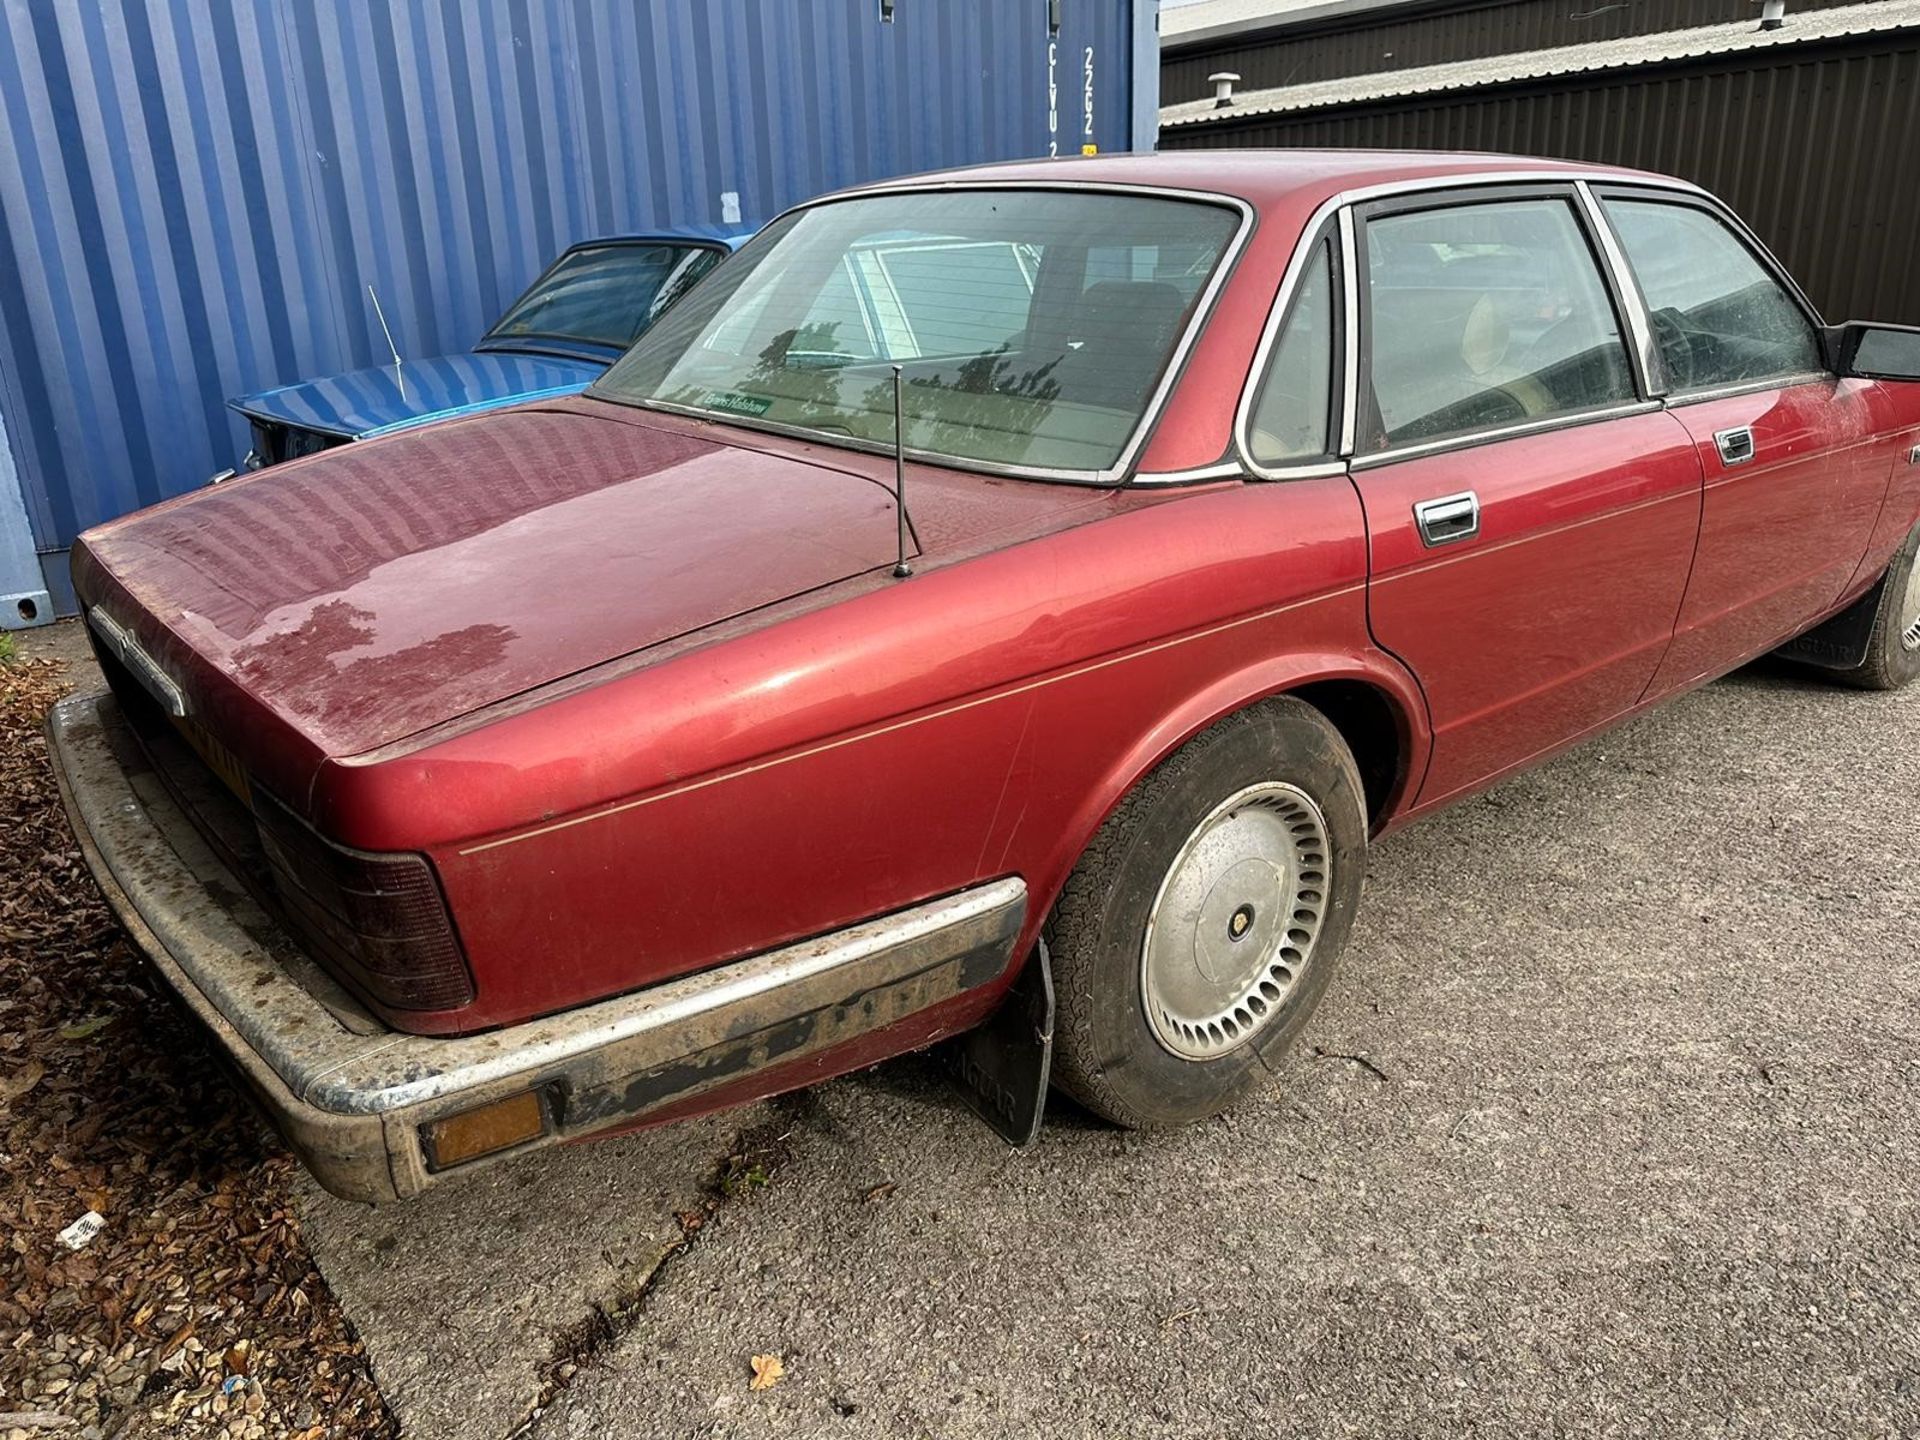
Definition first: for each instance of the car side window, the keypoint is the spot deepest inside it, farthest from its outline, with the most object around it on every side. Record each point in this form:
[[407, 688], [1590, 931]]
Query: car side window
[[1292, 413], [1484, 316], [1719, 317]]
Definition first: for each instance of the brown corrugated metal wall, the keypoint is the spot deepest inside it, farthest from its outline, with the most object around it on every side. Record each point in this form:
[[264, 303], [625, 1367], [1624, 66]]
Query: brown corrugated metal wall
[[1817, 146], [1409, 35]]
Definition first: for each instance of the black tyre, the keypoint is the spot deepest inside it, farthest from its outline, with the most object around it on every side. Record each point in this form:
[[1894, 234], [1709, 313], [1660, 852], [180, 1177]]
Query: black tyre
[[1202, 925], [1893, 650]]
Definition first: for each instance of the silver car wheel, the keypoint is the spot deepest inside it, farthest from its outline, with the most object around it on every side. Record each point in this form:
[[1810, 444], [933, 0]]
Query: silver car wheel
[[1236, 919]]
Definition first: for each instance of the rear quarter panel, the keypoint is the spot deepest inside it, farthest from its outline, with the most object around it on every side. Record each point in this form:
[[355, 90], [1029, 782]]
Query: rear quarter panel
[[974, 721]]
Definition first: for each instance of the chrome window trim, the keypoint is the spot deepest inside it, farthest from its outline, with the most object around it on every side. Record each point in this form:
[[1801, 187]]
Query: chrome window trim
[[1349, 337], [1341, 205], [1317, 230], [1683, 398], [1564, 421], [1716, 207], [1313, 470], [1234, 470], [1224, 470], [1123, 465], [1624, 188], [1649, 372], [1560, 193]]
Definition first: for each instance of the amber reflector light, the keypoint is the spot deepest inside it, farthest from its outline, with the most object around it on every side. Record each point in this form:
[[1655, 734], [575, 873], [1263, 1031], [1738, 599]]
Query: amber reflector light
[[468, 1136]]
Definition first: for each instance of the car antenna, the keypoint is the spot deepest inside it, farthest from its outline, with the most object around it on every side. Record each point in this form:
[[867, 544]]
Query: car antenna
[[901, 569], [392, 348]]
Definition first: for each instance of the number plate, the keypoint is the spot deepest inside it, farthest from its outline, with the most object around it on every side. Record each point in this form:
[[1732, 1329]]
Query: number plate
[[222, 761]]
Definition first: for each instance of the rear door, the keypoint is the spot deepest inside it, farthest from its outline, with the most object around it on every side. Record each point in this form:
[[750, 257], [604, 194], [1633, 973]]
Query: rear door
[[1531, 510], [1793, 486]]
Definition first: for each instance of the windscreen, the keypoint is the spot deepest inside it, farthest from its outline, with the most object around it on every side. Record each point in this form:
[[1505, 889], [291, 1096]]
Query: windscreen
[[1031, 326], [604, 294]]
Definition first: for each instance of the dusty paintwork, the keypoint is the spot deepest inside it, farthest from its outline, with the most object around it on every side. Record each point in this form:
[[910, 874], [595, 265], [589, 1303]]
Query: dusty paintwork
[[644, 690], [371, 595], [356, 1097]]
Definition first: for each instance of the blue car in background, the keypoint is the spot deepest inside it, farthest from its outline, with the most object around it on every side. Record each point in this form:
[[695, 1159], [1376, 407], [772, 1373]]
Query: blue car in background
[[556, 339]]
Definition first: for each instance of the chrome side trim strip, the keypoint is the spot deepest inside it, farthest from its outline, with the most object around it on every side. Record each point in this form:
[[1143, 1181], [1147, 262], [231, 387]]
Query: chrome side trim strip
[[1318, 470], [1748, 387], [1504, 432], [1225, 470], [1650, 373]]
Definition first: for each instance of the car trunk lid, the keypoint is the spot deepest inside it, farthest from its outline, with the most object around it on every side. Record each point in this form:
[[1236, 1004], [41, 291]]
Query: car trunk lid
[[378, 590]]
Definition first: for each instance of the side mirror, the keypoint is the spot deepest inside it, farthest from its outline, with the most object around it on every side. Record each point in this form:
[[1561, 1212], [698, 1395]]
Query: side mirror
[[1874, 352]]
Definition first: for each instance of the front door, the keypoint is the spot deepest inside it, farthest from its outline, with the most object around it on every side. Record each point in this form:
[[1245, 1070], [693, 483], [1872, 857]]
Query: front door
[[1531, 515], [1793, 486]]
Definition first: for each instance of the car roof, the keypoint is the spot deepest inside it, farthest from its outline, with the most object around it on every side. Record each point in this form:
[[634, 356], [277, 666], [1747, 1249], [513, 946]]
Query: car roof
[[1264, 177]]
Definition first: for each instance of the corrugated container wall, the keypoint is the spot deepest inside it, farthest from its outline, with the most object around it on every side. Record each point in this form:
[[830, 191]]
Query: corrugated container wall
[[195, 195], [1813, 144]]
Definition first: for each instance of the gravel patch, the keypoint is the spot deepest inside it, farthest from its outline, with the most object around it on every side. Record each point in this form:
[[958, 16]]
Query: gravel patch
[[194, 1308]]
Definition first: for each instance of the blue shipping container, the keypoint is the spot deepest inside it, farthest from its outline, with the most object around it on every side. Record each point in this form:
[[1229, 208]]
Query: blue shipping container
[[195, 195]]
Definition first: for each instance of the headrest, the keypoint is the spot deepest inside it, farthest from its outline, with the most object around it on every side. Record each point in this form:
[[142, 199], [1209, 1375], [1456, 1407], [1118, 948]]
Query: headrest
[[1141, 303], [1484, 341]]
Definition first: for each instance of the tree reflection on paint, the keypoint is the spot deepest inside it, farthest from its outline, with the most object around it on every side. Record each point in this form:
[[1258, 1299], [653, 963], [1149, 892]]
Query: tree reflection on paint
[[313, 666]]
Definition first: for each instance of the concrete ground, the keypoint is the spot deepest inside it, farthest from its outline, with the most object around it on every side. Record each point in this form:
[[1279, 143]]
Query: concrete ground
[[65, 641], [1607, 1128]]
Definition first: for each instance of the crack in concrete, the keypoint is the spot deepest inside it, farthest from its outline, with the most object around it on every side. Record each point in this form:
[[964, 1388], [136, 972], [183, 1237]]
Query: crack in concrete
[[753, 1157]]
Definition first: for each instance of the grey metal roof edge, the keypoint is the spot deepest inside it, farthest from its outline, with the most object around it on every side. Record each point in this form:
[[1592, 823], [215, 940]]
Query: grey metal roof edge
[[1524, 67], [1251, 26]]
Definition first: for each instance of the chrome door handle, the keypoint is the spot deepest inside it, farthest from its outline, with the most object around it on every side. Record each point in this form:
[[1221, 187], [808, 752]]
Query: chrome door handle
[[1735, 445], [1448, 518]]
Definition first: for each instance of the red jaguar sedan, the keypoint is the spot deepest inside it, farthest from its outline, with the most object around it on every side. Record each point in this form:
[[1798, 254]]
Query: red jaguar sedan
[[1002, 604]]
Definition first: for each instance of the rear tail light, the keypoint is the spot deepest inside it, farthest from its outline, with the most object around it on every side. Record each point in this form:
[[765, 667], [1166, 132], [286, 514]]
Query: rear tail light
[[377, 921]]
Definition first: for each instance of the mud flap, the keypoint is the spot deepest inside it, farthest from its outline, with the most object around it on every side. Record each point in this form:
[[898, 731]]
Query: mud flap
[[1840, 643], [1000, 1067]]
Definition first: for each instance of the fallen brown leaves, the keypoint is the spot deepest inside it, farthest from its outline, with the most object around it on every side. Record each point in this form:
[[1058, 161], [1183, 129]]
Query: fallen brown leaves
[[196, 1310]]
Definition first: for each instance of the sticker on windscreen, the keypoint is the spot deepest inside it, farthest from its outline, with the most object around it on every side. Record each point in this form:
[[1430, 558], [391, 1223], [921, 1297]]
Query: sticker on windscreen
[[735, 403]]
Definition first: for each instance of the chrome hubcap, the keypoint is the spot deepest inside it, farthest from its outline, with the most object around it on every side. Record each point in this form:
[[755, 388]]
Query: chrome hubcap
[[1236, 920], [1910, 608]]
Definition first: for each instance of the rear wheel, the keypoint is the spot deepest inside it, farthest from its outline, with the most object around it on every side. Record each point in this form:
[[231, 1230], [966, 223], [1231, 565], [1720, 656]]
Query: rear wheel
[[1202, 925], [1893, 649]]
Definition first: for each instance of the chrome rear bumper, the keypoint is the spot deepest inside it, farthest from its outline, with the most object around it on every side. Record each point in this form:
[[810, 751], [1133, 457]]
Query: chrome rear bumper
[[353, 1098]]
